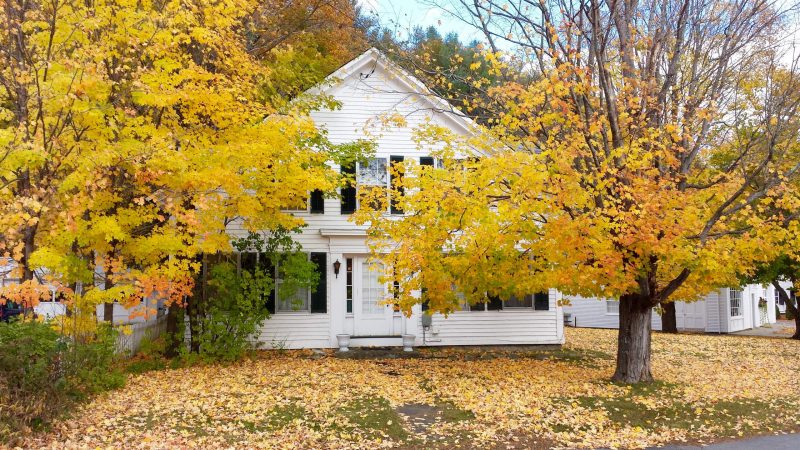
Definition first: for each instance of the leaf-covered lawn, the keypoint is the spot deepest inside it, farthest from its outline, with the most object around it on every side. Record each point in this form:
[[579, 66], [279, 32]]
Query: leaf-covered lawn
[[710, 387]]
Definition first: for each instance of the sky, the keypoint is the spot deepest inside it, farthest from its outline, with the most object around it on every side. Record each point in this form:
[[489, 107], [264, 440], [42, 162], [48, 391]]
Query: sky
[[404, 15]]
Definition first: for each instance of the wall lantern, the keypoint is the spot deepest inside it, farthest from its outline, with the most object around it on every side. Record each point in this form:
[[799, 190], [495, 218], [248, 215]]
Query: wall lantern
[[336, 266]]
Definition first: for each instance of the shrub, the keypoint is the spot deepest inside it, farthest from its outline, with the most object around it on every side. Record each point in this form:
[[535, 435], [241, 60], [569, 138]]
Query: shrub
[[233, 315], [42, 373], [32, 382]]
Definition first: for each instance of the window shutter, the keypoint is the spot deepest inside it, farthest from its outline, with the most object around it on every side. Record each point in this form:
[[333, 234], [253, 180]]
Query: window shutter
[[349, 191], [319, 298], [247, 262], [396, 191], [495, 303], [266, 264], [317, 202], [541, 301]]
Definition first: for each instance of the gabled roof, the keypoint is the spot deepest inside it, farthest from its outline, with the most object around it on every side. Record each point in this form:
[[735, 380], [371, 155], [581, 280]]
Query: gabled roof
[[372, 58]]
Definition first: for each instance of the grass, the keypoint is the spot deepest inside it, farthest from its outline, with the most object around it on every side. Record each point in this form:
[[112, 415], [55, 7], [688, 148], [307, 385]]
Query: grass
[[374, 417], [711, 387]]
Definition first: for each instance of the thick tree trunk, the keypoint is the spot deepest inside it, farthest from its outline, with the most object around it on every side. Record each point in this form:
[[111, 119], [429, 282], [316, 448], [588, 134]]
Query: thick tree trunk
[[796, 334], [669, 320], [28, 248], [108, 313], [790, 306], [633, 341]]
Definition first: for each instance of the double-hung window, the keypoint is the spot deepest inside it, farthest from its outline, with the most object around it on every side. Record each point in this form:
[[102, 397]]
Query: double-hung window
[[302, 298], [299, 300], [736, 302]]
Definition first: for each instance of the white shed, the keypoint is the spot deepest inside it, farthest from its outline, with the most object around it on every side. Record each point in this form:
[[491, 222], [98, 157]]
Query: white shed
[[724, 310]]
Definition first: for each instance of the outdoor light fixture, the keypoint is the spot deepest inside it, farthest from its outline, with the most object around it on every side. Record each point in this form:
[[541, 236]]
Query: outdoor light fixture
[[336, 266]]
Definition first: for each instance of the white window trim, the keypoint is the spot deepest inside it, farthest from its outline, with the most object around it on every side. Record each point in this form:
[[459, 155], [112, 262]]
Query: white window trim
[[611, 313]]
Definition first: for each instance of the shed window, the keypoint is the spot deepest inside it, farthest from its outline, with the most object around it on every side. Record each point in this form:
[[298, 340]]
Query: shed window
[[736, 302], [612, 306]]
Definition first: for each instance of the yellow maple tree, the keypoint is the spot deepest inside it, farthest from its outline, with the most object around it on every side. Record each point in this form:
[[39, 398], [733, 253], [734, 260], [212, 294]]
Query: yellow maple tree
[[627, 164]]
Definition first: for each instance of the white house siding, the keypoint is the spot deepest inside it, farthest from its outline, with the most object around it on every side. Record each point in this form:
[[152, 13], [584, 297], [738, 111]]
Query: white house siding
[[711, 314], [717, 311], [591, 312], [496, 327]]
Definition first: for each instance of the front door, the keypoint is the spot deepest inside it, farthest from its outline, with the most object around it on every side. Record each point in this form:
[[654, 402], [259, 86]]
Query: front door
[[372, 318]]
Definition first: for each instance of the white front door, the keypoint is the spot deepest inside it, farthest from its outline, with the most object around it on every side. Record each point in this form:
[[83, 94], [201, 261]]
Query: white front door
[[372, 318]]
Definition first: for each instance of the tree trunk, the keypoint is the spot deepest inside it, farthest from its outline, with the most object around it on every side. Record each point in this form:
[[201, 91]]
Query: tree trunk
[[633, 341], [108, 283], [108, 313], [669, 320], [790, 306], [173, 338], [27, 250]]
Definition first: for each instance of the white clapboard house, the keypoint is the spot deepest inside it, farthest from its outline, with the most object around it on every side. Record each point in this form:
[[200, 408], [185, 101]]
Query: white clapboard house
[[725, 310], [347, 301]]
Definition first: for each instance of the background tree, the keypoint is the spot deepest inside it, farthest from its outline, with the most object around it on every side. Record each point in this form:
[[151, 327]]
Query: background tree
[[637, 161]]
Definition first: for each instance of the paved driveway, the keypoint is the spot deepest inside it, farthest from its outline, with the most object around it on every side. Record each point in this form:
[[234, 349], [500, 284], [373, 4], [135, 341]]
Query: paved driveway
[[781, 329], [781, 442]]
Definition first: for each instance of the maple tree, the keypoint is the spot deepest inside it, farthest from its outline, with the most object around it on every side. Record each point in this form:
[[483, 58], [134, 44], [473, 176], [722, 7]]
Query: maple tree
[[641, 159], [128, 151]]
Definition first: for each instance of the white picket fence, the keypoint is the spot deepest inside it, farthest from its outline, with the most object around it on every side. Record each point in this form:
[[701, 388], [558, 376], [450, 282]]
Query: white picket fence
[[129, 337]]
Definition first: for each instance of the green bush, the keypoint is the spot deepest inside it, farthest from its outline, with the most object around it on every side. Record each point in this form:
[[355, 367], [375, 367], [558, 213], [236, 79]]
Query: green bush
[[233, 316], [32, 382], [43, 373], [89, 366]]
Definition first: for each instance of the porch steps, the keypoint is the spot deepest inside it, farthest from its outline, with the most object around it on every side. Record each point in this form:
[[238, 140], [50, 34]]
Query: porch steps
[[376, 341]]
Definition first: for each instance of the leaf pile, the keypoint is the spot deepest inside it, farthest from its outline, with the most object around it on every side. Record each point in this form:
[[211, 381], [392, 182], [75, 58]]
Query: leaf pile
[[710, 387]]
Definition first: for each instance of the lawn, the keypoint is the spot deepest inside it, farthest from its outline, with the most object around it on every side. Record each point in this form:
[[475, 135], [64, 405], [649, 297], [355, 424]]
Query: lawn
[[709, 388]]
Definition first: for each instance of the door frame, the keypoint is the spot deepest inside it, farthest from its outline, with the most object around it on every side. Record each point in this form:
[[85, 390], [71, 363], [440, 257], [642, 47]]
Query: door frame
[[365, 324]]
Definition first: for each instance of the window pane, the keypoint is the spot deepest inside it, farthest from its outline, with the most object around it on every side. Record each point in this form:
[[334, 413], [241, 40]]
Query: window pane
[[372, 291], [736, 302], [514, 302], [612, 306], [299, 300], [349, 294], [373, 172]]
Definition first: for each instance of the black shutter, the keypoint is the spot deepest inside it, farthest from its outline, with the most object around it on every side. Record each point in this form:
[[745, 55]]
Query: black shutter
[[495, 303], [319, 298], [541, 301], [426, 161], [266, 264], [247, 262], [396, 191], [349, 191], [317, 202]]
